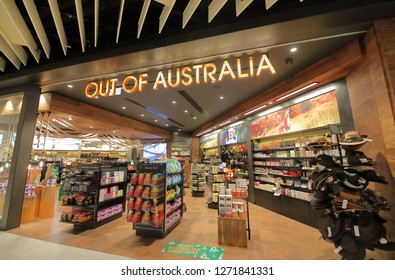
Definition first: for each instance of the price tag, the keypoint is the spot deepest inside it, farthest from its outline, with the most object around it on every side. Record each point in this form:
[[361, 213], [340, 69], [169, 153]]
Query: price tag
[[383, 240], [344, 204], [329, 232], [356, 231], [338, 249]]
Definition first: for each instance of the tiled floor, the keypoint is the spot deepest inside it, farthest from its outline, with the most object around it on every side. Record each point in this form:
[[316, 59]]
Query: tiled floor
[[273, 237]]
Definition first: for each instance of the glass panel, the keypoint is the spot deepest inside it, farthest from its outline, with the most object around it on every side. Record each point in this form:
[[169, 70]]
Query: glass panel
[[10, 107]]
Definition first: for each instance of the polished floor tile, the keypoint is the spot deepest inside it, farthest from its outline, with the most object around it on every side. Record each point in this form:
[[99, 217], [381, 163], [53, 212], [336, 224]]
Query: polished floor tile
[[273, 237]]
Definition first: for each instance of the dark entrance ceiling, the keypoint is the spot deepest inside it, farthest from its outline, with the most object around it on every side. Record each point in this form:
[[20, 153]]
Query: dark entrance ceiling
[[117, 48]]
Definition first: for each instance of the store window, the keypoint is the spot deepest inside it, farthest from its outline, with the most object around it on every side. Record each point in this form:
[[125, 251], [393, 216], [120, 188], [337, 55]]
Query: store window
[[10, 107]]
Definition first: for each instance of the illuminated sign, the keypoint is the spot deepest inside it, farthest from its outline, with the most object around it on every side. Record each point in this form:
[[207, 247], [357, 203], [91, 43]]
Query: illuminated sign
[[188, 75]]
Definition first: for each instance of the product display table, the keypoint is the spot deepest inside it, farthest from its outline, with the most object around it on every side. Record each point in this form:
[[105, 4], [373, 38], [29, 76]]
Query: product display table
[[232, 232], [2, 198], [47, 203], [28, 209]]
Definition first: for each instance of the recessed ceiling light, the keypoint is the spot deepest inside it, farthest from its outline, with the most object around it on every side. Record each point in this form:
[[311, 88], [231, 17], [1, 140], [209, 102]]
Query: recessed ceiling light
[[70, 118], [174, 102], [166, 124], [123, 107], [194, 118], [186, 111], [271, 102], [293, 49], [221, 97], [156, 120], [90, 126], [179, 129], [70, 86], [113, 131], [142, 115]]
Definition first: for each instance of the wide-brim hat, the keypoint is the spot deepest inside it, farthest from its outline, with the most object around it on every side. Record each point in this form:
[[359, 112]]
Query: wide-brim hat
[[320, 143], [370, 229], [353, 138], [349, 248]]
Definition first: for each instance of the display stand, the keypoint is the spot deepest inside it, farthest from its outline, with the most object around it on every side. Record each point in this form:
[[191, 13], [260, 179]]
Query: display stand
[[2, 199], [28, 209], [233, 221], [97, 194], [47, 203], [155, 198], [198, 179]]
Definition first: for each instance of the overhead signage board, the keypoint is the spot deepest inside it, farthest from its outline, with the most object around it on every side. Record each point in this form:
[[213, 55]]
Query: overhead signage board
[[182, 76]]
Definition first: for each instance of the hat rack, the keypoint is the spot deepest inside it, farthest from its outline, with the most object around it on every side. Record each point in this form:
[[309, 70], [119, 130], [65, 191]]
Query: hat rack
[[347, 212]]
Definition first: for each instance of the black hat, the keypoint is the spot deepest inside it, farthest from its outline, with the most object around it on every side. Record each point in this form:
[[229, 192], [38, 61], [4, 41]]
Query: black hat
[[330, 227], [352, 181], [360, 160], [371, 176], [326, 161], [349, 248], [369, 229]]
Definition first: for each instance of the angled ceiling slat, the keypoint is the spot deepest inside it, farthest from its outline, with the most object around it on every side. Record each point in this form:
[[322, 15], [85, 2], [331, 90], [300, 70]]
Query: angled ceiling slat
[[2, 64], [9, 53], [270, 3], [17, 49], [120, 19], [189, 10], [142, 16], [96, 21], [214, 7], [169, 4], [38, 26], [241, 5], [53, 5], [14, 26], [81, 24]]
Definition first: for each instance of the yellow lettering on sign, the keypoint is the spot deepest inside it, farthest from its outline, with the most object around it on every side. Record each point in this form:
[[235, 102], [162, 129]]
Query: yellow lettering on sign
[[226, 70], [125, 84], [265, 64], [185, 72], [239, 74], [160, 80], [197, 73], [169, 78], [88, 89], [209, 73], [142, 81]]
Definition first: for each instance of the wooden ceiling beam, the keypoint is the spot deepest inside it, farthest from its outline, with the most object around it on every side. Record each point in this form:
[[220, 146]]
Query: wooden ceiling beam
[[88, 114]]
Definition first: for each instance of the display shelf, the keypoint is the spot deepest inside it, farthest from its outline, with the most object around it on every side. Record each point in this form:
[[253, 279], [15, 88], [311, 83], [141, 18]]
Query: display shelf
[[199, 181], [103, 184], [282, 165], [158, 201]]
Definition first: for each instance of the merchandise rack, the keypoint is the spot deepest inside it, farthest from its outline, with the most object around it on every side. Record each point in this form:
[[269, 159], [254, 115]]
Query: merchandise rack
[[167, 205], [287, 162], [106, 184]]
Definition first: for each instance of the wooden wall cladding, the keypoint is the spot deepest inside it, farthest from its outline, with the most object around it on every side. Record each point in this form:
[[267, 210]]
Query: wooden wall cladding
[[370, 87]]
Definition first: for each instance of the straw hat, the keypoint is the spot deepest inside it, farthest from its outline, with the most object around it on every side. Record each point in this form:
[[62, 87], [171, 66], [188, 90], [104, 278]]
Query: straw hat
[[353, 138]]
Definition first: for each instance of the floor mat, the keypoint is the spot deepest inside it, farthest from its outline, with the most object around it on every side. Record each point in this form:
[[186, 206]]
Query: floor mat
[[194, 250]]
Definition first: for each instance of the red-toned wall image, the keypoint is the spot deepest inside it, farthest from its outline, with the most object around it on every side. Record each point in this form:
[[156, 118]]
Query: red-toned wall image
[[316, 112]]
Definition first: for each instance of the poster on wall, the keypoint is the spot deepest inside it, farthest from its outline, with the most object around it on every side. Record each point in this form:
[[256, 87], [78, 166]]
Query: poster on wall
[[232, 135], [316, 112], [209, 141]]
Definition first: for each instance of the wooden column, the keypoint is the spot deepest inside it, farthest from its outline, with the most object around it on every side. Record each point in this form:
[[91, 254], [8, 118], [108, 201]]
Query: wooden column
[[371, 88]]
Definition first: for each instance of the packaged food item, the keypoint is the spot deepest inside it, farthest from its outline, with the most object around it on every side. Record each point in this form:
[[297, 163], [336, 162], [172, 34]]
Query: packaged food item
[[146, 206], [146, 218], [147, 179], [140, 180], [138, 203], [146, 192], [138, 191], [133, 179], [130, 203]]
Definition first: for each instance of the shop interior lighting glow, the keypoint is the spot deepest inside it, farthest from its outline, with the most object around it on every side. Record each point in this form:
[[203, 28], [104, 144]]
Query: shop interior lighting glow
[[296, 91], [256, 109]]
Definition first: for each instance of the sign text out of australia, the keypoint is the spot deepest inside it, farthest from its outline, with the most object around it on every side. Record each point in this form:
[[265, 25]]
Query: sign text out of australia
[[188, 75]]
